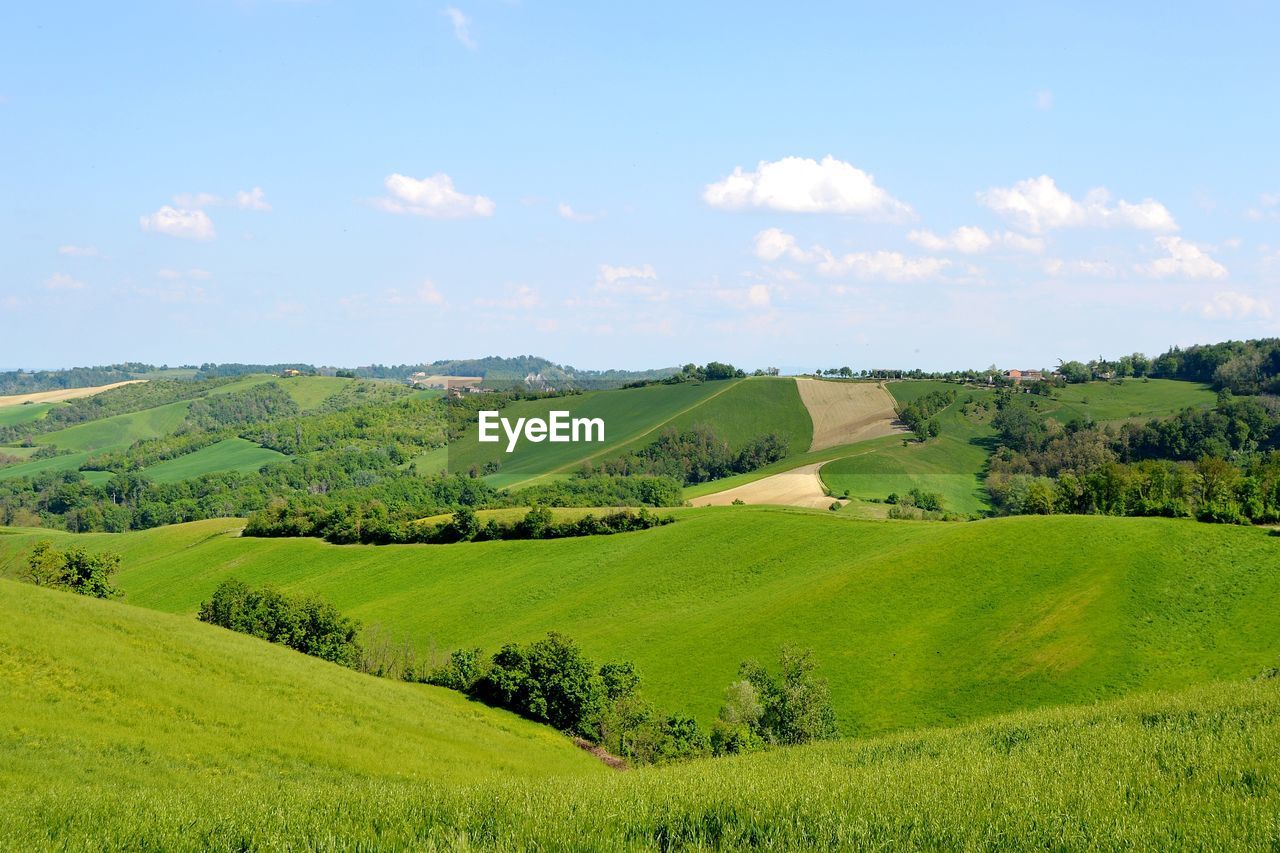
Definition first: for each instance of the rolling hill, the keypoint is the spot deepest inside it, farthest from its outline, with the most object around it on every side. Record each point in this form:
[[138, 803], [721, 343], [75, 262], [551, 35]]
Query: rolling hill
[[914, 623], [738, 409], [125, 729]]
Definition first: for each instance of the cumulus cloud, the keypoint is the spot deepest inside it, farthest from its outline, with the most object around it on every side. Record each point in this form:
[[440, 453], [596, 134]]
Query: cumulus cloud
[[1268, 208], [254, 199], [424, 294], [1038, 205], [461, 26], [1230, 305], [179, 222], [773, 244], [79, 251], [971, 240], [62, 281], [802, 185], [433, 197], [1184, 260]]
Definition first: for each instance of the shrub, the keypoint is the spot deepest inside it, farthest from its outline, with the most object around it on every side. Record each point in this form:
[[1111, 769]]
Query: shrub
[[307, 624], [73, 569]]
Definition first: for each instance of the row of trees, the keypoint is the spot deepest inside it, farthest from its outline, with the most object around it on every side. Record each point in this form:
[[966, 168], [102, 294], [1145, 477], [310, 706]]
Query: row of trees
[[372, 525], [304, 623]]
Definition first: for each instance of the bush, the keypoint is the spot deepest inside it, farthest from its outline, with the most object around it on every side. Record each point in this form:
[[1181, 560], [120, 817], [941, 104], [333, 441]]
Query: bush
[[793, 707]]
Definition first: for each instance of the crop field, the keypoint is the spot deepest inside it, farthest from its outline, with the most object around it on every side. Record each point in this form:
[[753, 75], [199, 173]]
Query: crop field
[[629, 414], [913, 623], [232, 454], [69, 462], [252, 746], [119, 430], [950, 465], [14, 415], [310, 391]]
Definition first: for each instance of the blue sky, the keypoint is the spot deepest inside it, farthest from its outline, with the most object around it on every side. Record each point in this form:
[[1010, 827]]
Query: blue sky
[[635, 184]]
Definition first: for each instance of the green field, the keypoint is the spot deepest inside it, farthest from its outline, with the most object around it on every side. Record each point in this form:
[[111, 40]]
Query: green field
[[310, 391], [120, 430], [915, 624], [126, 729], [633, 417], [69, 462], [950, 465], [231, 454], [20, 414], [1132, 399]]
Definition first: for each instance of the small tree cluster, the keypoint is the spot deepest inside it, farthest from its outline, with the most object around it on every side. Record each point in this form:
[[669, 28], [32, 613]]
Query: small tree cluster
[[73, 569], [304, 623], [793, 707]]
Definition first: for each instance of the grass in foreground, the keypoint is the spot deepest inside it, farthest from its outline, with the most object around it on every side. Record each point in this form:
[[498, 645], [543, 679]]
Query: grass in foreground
[[913, 624], [128, 730], [96, 693]]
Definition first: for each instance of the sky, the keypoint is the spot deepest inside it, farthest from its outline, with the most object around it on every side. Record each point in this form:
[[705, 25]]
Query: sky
[[635, 185]]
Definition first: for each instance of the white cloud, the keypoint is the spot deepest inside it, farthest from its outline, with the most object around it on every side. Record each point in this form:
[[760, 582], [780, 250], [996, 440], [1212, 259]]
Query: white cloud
[[425, 294], [62, 281], [434, 197], [254, 199], [802, 185], [567, 212], [520, 297], [78, 251], [773, 244], [1185, 260], [461, 26], [1038, 205], [1230, 305], [1044, 100], [630, 281], [179, 222], [1269, 202], [970, 240]]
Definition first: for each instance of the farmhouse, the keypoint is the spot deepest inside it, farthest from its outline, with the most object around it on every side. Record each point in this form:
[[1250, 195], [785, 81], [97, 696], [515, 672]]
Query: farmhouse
[[1024, 375]]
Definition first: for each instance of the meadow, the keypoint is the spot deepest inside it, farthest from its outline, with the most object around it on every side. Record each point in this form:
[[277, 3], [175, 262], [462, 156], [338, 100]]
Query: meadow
[[231, 454], [913, 623], [252, 746]]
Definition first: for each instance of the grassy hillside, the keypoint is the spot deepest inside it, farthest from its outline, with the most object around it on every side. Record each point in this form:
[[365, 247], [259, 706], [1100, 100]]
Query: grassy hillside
[[737, 409], [232, 454], [310, 391], [120, 430], [1193, 770], [14, 415], [914, 624], [1132, 399], [950, 465], [118, 696]]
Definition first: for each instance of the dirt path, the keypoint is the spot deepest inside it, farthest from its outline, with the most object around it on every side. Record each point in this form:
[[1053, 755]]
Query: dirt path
[[61, 394], [845, 412], [797, 487]]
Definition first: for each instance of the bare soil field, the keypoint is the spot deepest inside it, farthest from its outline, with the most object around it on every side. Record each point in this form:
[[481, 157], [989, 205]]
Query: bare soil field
[[845, 412], [797, 487], [61, 394]]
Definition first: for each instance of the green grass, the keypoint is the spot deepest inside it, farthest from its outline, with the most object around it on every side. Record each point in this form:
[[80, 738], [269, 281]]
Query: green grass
[[119, 430], [232, 454], [310, 391], [629, 414], [131, 730], [914, 624], [1133, 399], [69, 462], [950, 465], [21, 414], [119, 696]]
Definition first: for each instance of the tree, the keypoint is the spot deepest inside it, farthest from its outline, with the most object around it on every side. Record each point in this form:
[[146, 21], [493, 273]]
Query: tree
[[73, 569], [796, 705]]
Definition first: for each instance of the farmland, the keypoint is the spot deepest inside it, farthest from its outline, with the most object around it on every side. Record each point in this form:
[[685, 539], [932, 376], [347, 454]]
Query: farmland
[[232, 454], [914, 623], [248, 745]]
